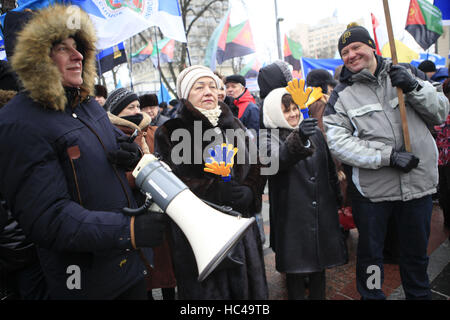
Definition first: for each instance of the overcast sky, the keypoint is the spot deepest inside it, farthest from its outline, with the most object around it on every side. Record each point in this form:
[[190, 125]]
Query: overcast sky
[[262, 17]]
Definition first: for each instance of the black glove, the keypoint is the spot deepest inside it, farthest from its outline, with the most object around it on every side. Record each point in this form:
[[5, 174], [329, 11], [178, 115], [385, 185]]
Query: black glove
[[127, 156], [400, 77], [149, 229], [241, 196], [307, 128], [404, 161]]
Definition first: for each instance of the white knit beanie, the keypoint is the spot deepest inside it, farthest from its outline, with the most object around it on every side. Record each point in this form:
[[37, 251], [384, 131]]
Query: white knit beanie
[[188, 76], [273, 116]]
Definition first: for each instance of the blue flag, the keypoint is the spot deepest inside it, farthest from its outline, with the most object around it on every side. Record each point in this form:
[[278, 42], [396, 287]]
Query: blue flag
[[309, 64], [110, 57], [437, 59], [118, 20], [2, 49], [163, 94], [121, 19], [444, 6]]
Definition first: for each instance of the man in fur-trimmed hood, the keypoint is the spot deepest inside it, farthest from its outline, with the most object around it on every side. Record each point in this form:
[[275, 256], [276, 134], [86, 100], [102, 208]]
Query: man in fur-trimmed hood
[[60, 172], [32, 63]]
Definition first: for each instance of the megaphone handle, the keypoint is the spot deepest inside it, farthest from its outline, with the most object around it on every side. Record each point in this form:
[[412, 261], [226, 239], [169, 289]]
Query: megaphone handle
[[224, 209], [142, 209]]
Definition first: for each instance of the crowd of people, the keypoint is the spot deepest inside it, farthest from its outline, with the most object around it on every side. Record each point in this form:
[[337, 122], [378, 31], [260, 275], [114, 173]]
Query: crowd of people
[[70, 227]]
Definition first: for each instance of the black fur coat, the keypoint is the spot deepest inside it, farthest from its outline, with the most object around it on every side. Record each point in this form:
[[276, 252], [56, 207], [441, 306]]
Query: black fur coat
[[245, 279]]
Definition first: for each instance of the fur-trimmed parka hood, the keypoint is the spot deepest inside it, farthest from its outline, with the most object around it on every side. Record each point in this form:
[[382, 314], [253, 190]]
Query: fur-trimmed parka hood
[[31, 60], [6, 96]]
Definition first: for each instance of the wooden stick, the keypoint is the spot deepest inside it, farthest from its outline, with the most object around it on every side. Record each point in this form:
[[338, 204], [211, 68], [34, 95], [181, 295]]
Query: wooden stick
[[401, 98]]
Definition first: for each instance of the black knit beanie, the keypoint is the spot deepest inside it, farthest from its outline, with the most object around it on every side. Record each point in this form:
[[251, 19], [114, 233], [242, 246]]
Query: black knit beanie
[[119, 99], [427, 66], [355, 34]]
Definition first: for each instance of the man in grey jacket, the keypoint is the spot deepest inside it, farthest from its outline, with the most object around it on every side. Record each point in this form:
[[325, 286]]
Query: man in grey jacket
[[364, 131]]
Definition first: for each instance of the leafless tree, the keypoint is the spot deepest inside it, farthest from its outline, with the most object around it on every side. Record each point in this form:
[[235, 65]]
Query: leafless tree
[[237, 64], [191, 12]]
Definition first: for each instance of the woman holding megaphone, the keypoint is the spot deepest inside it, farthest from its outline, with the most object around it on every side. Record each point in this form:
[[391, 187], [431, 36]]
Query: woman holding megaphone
[[241, 275]]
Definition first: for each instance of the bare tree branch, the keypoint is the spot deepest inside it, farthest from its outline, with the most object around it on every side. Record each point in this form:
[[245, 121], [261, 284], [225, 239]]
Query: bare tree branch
[[180, 56], [200, 13]]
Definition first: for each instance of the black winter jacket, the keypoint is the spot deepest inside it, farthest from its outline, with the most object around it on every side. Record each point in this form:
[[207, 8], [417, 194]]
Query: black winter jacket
[[245, 281], [54, 171], [67, 197], [304, 197]]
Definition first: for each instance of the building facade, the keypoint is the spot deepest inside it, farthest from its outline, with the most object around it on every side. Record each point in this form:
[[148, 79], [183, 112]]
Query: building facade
[[320, 40]]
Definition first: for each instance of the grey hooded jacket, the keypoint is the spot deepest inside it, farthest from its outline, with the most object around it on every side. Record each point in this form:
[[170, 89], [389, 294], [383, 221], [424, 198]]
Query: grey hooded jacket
[[363, 125]]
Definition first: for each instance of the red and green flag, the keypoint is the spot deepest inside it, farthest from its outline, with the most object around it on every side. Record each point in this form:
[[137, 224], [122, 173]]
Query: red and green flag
[[234, 41], [219, 34], [142, 54], [251, 69], [292, 52], [424, 22], [165, 49]]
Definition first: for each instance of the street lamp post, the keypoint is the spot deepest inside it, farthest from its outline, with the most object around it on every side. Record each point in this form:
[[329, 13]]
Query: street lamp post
[[278, 20]]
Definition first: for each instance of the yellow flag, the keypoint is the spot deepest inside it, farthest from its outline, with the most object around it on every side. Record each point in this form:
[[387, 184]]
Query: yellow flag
[[404, 53]]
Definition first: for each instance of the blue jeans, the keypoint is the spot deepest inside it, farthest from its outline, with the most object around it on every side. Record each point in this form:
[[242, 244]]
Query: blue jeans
[[413, 219]]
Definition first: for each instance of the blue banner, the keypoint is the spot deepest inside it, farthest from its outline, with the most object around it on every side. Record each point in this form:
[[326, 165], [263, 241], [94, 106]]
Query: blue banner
[[437, 59], [2, 50], [444, 6], [309, 64]]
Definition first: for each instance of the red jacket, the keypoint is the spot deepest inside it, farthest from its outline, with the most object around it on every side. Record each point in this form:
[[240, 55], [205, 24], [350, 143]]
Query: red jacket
[[248, 110]]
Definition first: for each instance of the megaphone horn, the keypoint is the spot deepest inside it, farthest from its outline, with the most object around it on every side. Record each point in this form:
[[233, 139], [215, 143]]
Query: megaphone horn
[[210, 233]]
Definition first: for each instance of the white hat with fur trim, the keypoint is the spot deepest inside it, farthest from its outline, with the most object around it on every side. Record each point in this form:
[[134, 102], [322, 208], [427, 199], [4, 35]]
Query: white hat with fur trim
[[273, 116]]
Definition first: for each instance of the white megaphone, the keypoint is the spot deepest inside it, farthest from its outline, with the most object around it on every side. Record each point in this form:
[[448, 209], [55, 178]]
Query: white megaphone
[[211, 233]]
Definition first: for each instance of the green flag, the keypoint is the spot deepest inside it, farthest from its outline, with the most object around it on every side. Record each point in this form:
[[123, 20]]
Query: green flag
[[424, 22]]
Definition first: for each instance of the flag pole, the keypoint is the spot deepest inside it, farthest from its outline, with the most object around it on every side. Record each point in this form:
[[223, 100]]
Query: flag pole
[[401, 98], [99, 69], [159, 64], [278, 20], [130, 69]]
